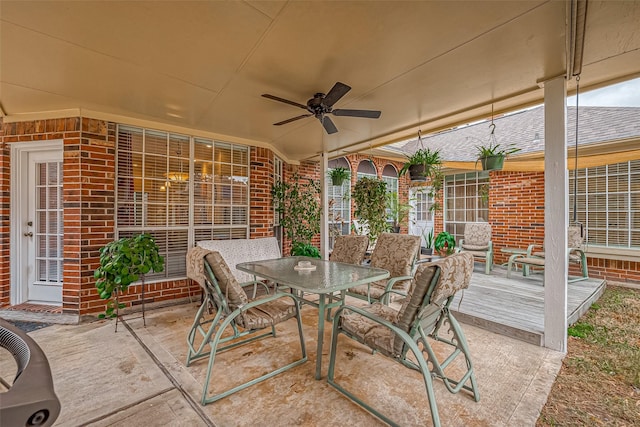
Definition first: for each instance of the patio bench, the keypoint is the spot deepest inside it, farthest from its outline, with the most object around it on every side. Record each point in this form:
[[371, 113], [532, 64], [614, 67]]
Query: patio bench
[[243, 250]]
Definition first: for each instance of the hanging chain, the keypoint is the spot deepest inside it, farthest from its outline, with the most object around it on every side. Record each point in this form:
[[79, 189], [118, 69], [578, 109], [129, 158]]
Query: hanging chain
[[575, 167]]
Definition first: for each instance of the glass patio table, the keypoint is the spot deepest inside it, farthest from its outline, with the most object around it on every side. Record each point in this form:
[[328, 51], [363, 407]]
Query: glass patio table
[[326, 278]]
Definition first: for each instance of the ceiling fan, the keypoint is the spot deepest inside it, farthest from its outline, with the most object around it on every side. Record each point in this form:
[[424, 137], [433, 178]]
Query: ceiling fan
[[321, 105]]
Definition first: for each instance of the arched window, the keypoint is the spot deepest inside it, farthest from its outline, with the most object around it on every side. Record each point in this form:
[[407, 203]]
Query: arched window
[[367, 168], [339, 204], [390, 176]]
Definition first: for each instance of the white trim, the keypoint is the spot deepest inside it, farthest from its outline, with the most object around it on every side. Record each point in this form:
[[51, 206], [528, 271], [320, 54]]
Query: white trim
[[148, 124], [16, 207], [556, 214]]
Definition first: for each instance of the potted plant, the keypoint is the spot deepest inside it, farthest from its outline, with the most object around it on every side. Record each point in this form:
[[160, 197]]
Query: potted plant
[[123, 262], [298, 204], [370, 199], [445, 243], [428, 241], [422, 164], [398, 211], [305, 249], [338, 175], [492, 156]]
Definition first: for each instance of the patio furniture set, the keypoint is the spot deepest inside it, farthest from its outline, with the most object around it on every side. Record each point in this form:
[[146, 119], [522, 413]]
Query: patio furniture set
[[228, 317], [477, 241]]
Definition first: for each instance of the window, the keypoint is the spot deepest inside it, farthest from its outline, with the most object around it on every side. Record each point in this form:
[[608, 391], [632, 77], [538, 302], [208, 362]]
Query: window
[[339, 203], [180, 190], [608, 203], [390, 176], [366, 168], [466, 200]]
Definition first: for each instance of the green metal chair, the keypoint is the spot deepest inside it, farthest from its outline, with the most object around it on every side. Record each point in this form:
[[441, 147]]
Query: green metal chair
[[535, 256], [477, 241], [396, 253], [235, 311], [399, 334]]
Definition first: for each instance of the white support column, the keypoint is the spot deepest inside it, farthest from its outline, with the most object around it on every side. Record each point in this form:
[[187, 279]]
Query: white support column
[[556, 214], [324, 203]]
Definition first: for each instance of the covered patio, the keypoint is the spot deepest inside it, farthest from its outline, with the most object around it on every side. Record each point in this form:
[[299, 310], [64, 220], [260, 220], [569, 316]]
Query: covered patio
[[144, 379], [138, 376]]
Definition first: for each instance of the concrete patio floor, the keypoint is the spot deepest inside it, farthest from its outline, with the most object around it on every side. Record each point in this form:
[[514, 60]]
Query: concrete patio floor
[[137, 376]]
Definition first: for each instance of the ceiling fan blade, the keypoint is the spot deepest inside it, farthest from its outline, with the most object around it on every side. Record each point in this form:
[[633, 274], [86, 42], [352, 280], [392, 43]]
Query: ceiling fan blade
[[337, 91], [328, 125], [368, 114], [293, 119], [286, 101]]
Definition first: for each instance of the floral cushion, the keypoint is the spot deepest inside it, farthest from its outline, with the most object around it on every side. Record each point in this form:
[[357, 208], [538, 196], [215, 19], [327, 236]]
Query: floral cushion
[[267, 314], [396, 253], [370, 332], [229, 286], [350, 249], [574, 238], [477, 235], [258, 317], [455, 274]]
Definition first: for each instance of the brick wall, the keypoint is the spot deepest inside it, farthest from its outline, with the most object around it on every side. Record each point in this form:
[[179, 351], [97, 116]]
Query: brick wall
[[88, 200], [262, 179], [516, 210]]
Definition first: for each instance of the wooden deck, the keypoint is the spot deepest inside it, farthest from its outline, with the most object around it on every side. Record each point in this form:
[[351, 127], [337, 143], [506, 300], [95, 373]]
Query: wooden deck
[[515, 306]]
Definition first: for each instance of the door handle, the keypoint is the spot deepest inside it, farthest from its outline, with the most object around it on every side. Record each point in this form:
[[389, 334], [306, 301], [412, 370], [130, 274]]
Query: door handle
[[29, 234]]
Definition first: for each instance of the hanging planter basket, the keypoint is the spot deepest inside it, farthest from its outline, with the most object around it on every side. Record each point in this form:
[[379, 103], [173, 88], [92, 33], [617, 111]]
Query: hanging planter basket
[[337, 180], [492, 163], [416, 173]]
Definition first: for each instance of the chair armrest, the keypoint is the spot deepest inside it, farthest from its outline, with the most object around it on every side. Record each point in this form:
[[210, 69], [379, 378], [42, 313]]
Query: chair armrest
[[530, 249], [411, 343], [389, 288]]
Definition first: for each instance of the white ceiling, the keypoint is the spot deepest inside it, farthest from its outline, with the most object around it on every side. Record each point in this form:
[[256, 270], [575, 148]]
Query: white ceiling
[[202, 66]]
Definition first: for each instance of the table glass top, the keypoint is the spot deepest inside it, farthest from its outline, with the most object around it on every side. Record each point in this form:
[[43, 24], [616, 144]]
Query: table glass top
[[329, 276]]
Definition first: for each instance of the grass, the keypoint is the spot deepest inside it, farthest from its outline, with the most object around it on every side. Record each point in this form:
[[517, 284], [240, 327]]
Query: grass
[[599, 382]]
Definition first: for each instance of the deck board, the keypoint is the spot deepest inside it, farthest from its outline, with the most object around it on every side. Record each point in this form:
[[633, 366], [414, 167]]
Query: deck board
[[515, 306]]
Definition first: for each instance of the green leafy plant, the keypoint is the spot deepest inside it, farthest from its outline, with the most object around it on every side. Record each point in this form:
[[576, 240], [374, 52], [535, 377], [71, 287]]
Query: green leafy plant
[[370, 198], [123, 262], [445, 243], [338, 175], [305, 249], [493, 149], [429, 159], [398, 212], [428, 238], [298, 204]]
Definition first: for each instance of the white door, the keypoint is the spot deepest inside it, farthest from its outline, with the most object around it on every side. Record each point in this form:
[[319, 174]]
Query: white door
[[421, 216], [39, 226]]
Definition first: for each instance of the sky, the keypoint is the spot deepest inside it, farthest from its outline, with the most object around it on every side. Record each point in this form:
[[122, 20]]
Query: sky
[[625, 94]]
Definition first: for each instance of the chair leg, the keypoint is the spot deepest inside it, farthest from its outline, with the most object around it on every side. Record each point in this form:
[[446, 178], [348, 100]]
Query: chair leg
[[214, 350], [422, 366]]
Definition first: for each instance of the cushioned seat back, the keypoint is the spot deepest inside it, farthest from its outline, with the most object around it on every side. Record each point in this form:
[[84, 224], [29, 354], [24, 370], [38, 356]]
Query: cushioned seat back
[[396, 253], [229, 286], [455, 275], [477, 234], [574, 238], [349, 249], [451, 274]]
